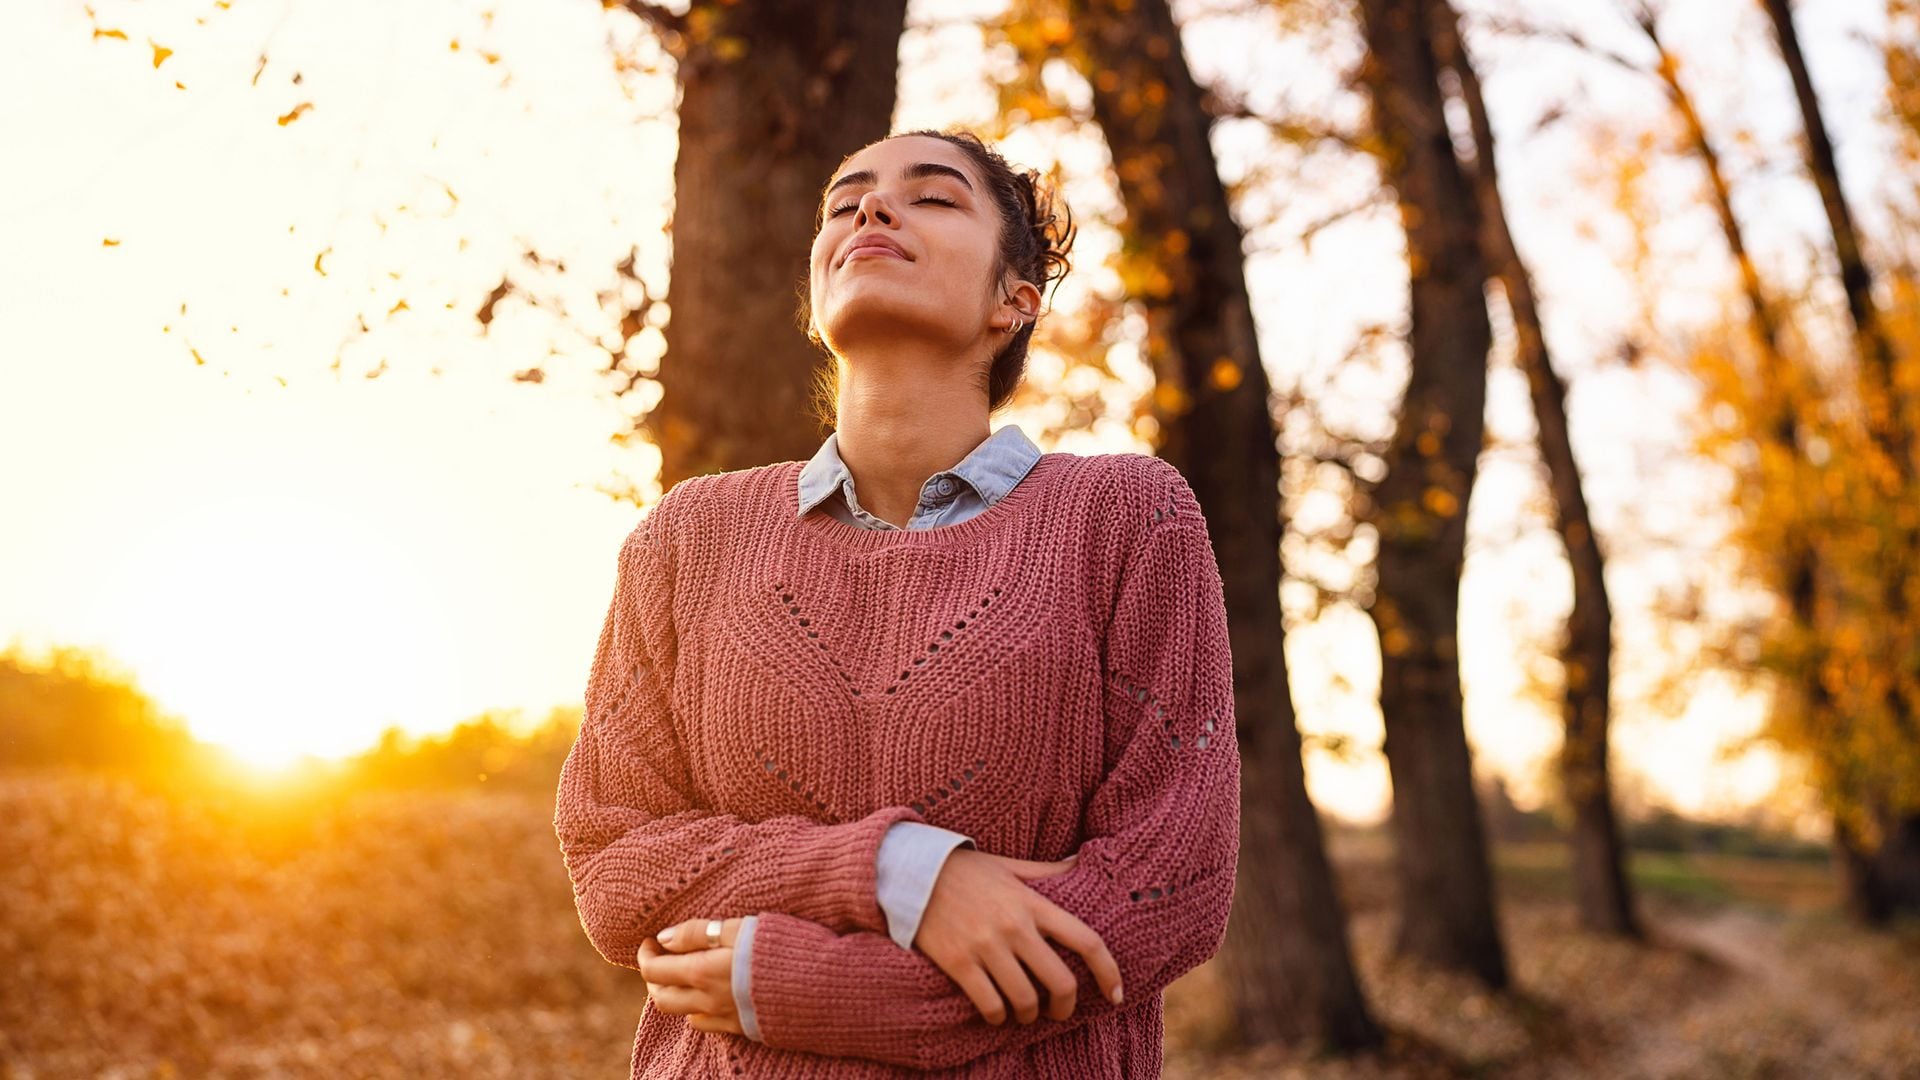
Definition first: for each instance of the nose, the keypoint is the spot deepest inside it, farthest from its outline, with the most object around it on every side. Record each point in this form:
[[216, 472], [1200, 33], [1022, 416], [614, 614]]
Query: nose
[[872, 207]]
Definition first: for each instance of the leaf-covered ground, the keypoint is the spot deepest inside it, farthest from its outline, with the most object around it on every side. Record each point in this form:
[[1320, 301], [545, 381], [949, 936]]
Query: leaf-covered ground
[[422, 934], [1750, 972]]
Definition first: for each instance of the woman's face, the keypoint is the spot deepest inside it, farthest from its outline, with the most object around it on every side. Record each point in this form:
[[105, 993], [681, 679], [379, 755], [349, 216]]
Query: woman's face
[[924, 196]]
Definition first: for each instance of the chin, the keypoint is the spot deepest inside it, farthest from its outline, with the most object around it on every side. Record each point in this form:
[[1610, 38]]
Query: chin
[[858, 325]]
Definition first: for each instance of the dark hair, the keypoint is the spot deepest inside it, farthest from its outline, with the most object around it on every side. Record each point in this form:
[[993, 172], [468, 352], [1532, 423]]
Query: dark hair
[[1036, 233]]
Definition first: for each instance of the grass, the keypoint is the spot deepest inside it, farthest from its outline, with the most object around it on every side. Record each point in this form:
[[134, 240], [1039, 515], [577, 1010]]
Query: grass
[[426, 933]]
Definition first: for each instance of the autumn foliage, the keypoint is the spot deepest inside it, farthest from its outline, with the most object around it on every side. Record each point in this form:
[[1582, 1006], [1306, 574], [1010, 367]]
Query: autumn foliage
[[1825, 497]]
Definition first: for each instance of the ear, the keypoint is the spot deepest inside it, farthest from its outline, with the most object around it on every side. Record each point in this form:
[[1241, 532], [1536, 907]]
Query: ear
[[1020, 301]]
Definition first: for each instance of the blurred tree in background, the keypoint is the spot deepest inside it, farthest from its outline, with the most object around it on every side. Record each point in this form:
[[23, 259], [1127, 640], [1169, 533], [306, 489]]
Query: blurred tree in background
[[1827, 501]]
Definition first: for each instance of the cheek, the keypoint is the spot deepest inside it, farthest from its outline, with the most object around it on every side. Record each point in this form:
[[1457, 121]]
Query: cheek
[[818, 260], [815, 278]]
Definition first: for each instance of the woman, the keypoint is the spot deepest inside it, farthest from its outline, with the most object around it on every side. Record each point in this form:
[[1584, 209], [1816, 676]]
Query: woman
[[869, 770]]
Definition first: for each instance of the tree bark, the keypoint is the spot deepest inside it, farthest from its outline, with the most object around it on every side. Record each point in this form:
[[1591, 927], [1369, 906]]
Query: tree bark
[[1874, 345], [1419, 509], [1801, 572], [774, 96], [1881, 880], [1601, 889], [1886, 880], [1286, 958]]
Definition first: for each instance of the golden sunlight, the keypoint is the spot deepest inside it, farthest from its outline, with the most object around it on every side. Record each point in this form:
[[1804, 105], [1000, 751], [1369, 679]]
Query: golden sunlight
[[280, 627]]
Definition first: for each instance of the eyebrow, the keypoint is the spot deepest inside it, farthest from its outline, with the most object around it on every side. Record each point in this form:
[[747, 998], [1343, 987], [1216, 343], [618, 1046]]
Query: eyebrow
[[912, 172]]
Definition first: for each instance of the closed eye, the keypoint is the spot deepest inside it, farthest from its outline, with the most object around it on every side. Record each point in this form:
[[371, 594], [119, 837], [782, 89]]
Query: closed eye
[[844, 207]]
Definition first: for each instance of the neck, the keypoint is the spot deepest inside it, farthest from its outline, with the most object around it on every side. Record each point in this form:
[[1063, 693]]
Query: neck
[[903, 414]]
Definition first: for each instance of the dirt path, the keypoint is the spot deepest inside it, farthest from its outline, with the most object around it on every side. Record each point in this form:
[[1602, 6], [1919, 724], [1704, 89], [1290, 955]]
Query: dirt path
[[1799, 999]]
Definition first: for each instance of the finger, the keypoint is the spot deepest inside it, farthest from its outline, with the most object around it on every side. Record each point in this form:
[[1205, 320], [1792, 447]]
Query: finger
[[1041, 870], [1026, 869], [690, 936], [980, 990], [1015, 986], [1052, 973], [1062, 926], [1055, 869], [669, 970], [710, 1022], [685, 999], [708, 967]]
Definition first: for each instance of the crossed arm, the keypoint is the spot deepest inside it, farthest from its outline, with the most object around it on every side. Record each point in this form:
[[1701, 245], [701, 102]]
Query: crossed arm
[[907, 867], [826, 974]]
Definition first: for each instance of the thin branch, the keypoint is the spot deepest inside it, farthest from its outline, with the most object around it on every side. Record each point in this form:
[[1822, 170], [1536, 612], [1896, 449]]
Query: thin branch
[[1503, 24]]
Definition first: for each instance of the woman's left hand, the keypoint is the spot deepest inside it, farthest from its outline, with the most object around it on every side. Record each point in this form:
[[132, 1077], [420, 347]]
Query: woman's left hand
[[686, 977]]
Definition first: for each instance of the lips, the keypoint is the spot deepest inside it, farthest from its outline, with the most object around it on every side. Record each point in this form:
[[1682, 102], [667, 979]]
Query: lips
[[872, 242]]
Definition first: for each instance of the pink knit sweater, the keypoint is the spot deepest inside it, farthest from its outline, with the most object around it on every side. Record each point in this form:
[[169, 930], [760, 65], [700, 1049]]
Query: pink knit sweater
[[770, 692]]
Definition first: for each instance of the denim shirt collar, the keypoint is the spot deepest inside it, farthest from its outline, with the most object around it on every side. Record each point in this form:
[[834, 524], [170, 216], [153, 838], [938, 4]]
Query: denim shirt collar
[[991, 468]]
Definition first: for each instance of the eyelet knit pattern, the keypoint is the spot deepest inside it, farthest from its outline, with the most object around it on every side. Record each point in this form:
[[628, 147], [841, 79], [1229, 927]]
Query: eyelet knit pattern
[[772, 691]]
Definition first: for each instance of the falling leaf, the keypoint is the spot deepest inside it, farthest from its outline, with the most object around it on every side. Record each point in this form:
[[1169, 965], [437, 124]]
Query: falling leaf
[[1170, 398], [295, 114], [1441, 501], [160, 52], [1395, 642]]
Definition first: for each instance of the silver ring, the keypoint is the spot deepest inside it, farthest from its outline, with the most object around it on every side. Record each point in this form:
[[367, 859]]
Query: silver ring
[[713, 933]]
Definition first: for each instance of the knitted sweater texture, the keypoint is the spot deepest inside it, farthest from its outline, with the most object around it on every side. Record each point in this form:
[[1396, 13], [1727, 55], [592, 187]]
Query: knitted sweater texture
[[771, 692]]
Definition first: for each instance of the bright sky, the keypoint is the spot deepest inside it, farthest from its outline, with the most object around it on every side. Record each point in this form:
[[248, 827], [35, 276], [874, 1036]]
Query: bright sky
[[292, 555]]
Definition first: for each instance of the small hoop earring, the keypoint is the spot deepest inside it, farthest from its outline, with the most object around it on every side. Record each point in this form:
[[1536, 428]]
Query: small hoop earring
[[1018, 322]]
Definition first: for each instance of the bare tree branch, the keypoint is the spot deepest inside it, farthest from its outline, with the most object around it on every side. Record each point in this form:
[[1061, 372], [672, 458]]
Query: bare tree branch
[[1521, 28]]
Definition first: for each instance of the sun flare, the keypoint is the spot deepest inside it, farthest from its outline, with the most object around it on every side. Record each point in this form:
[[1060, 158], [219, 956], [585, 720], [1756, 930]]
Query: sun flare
[[277, 628]]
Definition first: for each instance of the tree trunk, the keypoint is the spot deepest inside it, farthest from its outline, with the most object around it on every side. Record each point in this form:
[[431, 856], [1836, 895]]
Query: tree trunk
[[1419, 509], [1802, 575], [1600, 884], [1886, 880], [1878, 388], [1880, 881], [1286, 958], [773, 96]]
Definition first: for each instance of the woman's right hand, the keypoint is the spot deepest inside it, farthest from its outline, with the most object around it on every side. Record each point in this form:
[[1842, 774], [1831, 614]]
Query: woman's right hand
[[982, 922]]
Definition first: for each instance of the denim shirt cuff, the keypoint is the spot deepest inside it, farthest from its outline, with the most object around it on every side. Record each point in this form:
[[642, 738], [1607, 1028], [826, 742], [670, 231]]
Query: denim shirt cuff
[[743, 977], [907, 866]]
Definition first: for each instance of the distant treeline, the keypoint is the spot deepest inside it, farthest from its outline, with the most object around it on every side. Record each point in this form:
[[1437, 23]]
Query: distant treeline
[[72, 710], [483, 751]]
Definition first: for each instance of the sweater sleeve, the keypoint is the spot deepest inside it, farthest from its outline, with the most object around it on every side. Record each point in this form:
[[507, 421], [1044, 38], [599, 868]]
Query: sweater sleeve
[[909, 863], [1155, 874], [640, 848]]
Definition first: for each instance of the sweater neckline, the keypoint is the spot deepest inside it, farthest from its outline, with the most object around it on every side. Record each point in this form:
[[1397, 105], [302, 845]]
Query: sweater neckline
[[1029, 492]]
